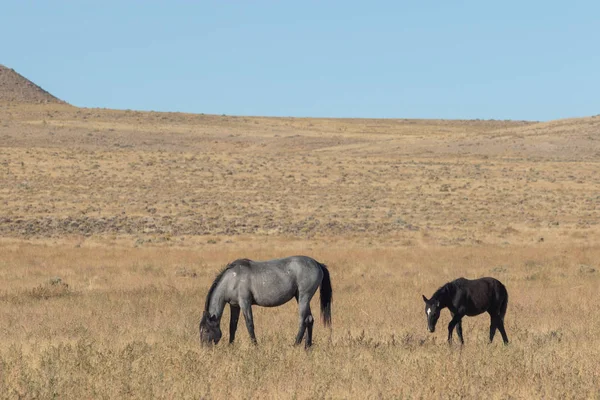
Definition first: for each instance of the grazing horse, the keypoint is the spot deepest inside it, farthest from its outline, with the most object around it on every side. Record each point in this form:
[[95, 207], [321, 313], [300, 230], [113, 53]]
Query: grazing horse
[[272, 283], [469, 297]]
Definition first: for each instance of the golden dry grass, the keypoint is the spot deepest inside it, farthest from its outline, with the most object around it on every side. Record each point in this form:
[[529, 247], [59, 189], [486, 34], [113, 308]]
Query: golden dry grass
[[128, 326], [136, 213]]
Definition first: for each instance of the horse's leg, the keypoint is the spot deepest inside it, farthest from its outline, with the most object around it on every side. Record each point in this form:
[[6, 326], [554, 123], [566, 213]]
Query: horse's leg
[[305, 320], [455, 320], [309, 325], [303, 306], [501, 329], [247, 310], [459, 331], [301, 329], [235, 316], [493, 327]]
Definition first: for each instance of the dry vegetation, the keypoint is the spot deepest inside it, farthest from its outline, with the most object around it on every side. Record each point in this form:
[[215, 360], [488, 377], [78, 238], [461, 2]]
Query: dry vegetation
[[114, 223], [15, 88]]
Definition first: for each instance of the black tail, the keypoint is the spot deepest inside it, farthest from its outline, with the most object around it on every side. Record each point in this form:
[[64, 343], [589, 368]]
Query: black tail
[[500, 299], [326, 296], [504, 304]]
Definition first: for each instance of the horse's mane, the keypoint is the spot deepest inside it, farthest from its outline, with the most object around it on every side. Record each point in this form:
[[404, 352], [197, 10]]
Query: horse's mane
[[443, 291], [242, 261]]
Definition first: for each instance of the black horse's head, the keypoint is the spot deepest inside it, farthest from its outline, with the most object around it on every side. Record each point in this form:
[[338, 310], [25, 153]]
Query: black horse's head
[[432, 311], [210, 330]]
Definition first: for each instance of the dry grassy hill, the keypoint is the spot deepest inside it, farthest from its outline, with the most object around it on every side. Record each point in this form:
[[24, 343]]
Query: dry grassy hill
[[158, 176], [15, 88], [135, 212]]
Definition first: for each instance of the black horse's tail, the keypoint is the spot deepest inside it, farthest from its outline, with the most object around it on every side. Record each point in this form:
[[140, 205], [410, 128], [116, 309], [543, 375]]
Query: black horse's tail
[[326, 296], [504, 303]]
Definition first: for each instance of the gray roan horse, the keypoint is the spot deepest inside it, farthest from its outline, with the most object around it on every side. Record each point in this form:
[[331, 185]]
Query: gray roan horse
[[272, 283]]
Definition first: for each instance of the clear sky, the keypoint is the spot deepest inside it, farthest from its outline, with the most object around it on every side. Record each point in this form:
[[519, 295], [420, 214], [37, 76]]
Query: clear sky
[[535, 60]]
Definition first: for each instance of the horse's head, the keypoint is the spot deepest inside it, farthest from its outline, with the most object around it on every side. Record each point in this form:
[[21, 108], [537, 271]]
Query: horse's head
[[210, 330], [432, 311]]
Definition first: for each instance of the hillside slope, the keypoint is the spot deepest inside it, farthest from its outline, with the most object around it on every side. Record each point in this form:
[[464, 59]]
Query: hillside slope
[[15, 88]]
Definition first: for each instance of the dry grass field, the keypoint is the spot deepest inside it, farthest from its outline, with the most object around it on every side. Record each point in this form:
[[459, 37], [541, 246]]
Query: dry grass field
[[114, 223]]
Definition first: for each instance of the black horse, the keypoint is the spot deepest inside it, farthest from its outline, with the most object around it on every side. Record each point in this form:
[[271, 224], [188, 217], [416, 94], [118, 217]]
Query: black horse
[[469, 297]]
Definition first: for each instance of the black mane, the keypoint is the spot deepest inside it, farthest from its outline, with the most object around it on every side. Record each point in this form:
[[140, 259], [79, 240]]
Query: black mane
[[443, 292], [243, 261]]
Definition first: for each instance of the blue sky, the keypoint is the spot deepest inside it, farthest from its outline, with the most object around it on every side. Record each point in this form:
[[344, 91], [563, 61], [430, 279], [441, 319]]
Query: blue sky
[[535, 60]]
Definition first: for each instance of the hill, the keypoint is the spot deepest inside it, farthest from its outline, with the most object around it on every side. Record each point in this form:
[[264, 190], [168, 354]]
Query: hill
[[156, 174], [15, 88]]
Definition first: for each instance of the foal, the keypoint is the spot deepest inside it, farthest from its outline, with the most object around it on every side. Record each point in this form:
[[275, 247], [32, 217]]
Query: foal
[[469, 297]]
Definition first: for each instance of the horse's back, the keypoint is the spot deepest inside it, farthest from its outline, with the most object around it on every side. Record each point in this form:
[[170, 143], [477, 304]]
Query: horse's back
[[299, 267], [483, 294], [487, 284], [274, 282]]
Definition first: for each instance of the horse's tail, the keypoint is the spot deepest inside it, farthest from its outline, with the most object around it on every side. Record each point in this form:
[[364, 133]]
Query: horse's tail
[[504, 304], [326, 296]]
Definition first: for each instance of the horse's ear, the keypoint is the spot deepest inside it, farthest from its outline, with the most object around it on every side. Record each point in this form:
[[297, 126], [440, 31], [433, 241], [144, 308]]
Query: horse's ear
[[424, 298]]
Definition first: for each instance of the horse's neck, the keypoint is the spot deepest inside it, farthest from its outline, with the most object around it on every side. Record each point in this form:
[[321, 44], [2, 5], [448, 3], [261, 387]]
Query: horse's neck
[[216, 302], [444, 296]]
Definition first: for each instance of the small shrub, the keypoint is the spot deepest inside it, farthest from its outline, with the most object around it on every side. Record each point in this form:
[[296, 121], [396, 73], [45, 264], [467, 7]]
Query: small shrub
[[586, 269], [55, 287], [186, 273]]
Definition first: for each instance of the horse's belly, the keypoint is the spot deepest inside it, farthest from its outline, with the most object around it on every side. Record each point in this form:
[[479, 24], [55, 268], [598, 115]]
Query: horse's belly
[[477, 307], [272, 295]]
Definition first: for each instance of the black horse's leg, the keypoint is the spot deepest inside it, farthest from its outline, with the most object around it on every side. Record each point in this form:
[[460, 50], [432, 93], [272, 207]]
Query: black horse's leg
[[455, 320], [502, 331], [247, 310], [459, 331], [235, 316], [493, 327]]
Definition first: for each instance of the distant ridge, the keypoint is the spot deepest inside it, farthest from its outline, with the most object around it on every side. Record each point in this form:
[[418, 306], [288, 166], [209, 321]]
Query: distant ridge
[[15, 88]]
